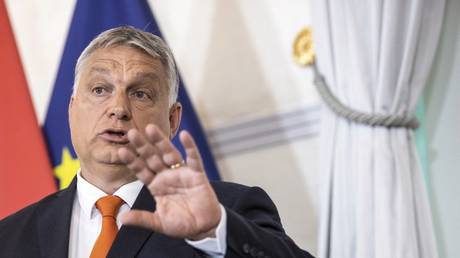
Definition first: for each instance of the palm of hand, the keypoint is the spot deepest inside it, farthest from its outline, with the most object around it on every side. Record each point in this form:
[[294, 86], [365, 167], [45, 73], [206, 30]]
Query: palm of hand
[[186, 205]]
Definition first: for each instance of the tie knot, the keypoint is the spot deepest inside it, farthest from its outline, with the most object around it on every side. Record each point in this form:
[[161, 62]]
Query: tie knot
[[109, 205]]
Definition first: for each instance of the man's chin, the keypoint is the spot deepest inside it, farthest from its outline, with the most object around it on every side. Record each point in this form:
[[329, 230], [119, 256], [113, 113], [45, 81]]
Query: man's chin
[[114, 166], [109, 157]]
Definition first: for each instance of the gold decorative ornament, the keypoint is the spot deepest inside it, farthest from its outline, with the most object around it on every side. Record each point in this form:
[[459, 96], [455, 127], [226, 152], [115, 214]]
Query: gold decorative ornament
[[303, 51]]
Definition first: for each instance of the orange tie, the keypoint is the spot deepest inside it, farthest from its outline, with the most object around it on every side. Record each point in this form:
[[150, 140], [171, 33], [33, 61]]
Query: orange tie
[[108, 206]]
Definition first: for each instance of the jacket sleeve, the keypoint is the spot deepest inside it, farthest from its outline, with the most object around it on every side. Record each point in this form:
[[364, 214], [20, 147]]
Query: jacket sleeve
[[254, 228]]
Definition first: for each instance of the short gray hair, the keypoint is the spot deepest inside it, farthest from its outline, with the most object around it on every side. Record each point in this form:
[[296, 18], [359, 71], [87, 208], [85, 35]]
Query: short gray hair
[[146, 42]]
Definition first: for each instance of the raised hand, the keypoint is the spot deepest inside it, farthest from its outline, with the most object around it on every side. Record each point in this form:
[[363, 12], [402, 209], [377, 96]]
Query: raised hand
[[186, 205]]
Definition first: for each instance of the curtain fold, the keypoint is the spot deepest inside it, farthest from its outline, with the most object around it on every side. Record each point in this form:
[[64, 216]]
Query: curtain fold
[[375, 57]]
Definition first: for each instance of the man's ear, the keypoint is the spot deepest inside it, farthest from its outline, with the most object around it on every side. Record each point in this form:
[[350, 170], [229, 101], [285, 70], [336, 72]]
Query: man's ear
[[175, 114], [69, 109]]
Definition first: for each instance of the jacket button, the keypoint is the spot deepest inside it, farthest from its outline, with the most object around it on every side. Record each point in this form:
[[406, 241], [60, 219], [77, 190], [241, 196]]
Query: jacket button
[[246, 248], [253, 252]]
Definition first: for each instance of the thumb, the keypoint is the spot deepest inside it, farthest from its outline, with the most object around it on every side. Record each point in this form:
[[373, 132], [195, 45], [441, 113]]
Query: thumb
[[145, 219]]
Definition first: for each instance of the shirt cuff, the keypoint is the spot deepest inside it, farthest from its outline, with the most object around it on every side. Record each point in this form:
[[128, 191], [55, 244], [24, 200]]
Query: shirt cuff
[[214, 247]]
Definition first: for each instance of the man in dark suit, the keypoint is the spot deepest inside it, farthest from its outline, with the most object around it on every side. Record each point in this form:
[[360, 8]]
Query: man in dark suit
[[122, 114]]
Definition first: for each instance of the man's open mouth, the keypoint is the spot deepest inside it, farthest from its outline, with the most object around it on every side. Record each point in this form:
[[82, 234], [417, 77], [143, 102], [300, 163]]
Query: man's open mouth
[[118, 136]]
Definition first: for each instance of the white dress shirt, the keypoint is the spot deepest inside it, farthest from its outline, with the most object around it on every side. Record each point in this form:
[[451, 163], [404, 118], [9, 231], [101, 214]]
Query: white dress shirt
[[86, 221]]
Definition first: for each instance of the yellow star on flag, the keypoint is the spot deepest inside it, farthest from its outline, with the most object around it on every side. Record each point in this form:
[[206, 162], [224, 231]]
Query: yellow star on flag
[[67, 170]]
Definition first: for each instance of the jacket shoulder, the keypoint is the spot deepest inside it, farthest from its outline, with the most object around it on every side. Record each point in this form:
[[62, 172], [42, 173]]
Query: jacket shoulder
[[234, 195], [24, 217], [253, 223], [228, 193]]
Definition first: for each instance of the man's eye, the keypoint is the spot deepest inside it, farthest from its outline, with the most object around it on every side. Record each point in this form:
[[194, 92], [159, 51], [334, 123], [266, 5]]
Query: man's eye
[[140, 95], [99, 91]]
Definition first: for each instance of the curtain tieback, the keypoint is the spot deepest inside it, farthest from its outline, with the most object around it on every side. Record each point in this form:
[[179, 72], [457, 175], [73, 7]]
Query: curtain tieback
[[357, 116]]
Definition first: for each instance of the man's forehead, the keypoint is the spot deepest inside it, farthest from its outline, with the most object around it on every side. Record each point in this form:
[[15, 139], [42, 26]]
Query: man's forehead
[[106, 66], [117, 60], [122, 56], [138, 74]]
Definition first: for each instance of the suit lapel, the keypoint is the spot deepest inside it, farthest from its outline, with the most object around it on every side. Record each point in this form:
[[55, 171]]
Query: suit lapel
[[130, 239], [54, 223]]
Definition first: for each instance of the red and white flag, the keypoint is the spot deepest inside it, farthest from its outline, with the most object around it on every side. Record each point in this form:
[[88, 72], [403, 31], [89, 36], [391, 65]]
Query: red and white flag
[[25, 170]]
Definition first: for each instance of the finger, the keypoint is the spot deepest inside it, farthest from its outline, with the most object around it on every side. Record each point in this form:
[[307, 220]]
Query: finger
[[169, 154], [140, 144], [143, 219], [136, 165], [194, 160], [146, 151]]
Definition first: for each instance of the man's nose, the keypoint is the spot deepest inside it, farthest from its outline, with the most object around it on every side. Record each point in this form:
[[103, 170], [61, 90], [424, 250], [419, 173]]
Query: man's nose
[[120, 108]]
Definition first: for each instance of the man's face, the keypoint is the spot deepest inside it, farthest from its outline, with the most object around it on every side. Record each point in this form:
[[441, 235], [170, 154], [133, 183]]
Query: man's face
[[120, 88]]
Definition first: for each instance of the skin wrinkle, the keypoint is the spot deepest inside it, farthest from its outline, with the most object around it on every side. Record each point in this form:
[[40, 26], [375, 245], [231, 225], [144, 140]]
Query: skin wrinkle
[[139, 78]]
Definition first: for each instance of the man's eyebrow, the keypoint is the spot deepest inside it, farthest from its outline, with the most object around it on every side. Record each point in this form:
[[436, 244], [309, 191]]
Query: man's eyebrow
[[146, 76], [100, 70]]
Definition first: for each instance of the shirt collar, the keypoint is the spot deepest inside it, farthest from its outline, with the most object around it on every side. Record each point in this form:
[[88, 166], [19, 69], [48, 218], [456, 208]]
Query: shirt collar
[[88, 194]]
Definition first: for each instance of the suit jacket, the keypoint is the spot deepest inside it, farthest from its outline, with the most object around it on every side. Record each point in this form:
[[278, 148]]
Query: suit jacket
[[253, 228]]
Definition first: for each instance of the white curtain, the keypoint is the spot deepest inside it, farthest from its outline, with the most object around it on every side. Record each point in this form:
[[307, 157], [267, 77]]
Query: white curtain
[[375, 56]]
